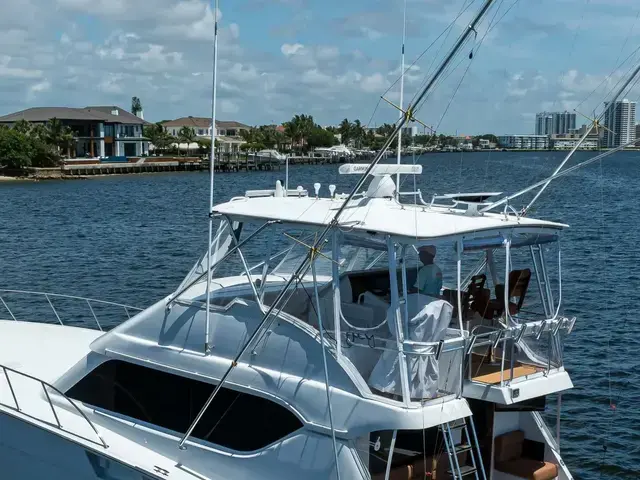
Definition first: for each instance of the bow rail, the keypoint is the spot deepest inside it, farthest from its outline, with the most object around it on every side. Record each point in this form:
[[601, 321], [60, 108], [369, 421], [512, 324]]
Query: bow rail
[[75, 306], [46, 388]]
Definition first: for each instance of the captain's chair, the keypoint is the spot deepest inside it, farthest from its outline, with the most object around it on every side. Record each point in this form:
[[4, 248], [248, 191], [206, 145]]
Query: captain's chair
[[518, 286]]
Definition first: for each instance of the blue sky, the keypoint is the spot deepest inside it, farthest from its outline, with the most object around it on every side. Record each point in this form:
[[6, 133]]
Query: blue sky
[[331, 59]]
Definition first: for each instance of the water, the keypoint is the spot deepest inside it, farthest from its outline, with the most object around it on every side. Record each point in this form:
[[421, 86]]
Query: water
[[132, 239]]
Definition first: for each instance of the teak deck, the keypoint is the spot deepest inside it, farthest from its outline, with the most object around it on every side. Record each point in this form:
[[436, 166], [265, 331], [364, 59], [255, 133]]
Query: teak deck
[[494, 377]]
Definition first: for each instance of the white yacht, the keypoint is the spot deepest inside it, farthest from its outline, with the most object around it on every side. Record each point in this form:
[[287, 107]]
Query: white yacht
[[342, 152], [268, 156], [371, 335], [339, 369]]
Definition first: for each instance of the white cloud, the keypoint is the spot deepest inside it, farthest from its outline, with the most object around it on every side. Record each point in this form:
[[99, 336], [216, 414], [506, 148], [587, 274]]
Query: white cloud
[[9, 71], [374, 83], [157, 59], [291, 49], [228, 107], [38, 88], [76, 52], [371, 33], [43, 86]]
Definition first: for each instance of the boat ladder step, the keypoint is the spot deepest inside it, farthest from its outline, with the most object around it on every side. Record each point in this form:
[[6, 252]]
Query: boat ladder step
[[464, 471], [467, 442]]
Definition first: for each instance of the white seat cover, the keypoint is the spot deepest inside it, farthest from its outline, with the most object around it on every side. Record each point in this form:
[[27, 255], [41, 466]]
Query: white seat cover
[[429, 319]]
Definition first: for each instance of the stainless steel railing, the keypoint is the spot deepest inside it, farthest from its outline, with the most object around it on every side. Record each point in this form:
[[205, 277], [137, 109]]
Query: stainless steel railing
[[46, 387], [542, 341], [91, 305]]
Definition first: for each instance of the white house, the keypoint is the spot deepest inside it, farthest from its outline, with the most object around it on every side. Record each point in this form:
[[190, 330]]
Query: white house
[[228, 132]]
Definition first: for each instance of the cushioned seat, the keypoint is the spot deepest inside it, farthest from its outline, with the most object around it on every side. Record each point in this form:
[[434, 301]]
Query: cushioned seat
[[436, 469], [529, 469], [508, 459]]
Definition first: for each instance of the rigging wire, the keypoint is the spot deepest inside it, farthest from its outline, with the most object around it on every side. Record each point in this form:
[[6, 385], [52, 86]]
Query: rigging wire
[[573, 46], [613, 405], [463, 9], [492, 24], [446, 30], [608, 77]]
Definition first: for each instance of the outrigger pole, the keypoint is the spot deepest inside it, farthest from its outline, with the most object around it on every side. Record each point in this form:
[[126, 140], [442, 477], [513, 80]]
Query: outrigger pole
[[548, 180], [594, 124], [211, 176], [303, 268], [404, 37]]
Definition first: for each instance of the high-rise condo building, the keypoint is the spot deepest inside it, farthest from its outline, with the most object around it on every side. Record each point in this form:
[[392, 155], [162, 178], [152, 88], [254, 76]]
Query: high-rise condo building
[[620, 118], [555, 123]]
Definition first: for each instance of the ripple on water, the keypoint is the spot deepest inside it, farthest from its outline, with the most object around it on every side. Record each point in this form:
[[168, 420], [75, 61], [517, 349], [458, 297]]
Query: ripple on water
[[133, 239]]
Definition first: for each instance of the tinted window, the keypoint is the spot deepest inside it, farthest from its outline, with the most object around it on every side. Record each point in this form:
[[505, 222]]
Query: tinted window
[[235, 420]]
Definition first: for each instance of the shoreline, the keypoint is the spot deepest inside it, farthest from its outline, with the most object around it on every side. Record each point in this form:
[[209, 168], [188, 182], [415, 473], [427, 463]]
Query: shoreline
[[4, 178]]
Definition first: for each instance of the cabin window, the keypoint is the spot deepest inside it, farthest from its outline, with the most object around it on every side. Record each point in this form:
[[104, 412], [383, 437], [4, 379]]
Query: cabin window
[[235, 420]]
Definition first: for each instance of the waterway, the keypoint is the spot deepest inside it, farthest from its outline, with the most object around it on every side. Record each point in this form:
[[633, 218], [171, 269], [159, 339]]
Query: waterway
[[132, 239]]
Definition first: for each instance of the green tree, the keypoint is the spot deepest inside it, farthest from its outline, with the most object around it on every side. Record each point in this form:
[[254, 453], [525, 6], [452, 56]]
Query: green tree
[[16, 149], [59, 136], [319, 137], [136, 106], [158, 136], [358, 133], [186, 135], [281, 140], [346, 132], [204, 145], [22, 126], [385, 129], [299, 129]]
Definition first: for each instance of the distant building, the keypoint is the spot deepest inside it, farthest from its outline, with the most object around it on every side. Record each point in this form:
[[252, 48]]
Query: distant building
[[410, 131], [569, 141], [555, 123], [528, 142], [484, 143], [227, 132], [638, 131], [201, 127], [620, 118], [100, 131]]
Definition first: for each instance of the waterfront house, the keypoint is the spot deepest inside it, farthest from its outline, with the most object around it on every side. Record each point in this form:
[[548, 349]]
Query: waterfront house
[[228, 132], [99, 131]]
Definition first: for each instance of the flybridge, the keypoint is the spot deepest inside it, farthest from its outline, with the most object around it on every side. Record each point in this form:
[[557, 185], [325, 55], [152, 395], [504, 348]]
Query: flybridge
[[380, 170]]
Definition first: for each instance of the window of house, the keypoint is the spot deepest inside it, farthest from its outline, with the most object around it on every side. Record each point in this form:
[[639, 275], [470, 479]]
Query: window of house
[[200, 131], [235, 420]]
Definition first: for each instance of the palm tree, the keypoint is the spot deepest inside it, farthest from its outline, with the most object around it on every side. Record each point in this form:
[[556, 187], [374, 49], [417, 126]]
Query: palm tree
[[59, 135], [280, 139], [306, 127], [386, 129], [22, 126], [136, 106], [186, 135], [292, 130], [346, 131], [358, 133], [253, 139]]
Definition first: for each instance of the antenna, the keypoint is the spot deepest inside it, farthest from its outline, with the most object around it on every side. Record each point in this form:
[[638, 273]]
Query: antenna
[[404, 37], [212, 162], [270, 316]]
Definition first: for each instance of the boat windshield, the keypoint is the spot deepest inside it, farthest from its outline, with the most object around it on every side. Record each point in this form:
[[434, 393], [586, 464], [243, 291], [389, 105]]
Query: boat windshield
[[283, 249]]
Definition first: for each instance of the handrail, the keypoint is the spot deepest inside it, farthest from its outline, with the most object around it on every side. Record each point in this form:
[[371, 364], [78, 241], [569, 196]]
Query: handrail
[[494, 336], [48, 296], [46, 385]]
